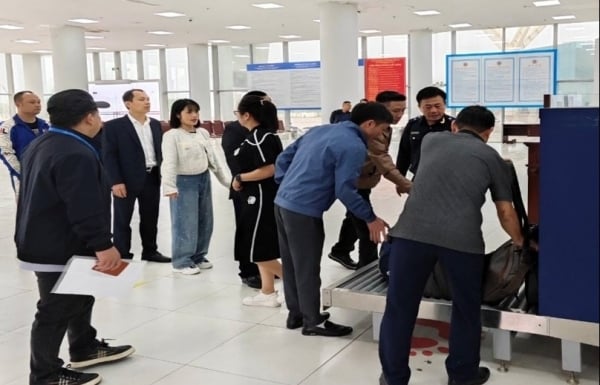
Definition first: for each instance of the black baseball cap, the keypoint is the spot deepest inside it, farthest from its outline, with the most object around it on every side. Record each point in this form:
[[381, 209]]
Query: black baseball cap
[[74, 102]]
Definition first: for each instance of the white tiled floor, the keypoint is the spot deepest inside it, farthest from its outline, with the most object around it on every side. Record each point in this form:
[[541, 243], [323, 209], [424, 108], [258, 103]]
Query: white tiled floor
[[194, 330]]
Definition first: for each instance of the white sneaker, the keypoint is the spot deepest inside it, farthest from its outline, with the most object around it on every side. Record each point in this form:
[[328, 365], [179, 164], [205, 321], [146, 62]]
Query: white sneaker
[[280, 297], [206, 264], [190, 270], [266, 300]]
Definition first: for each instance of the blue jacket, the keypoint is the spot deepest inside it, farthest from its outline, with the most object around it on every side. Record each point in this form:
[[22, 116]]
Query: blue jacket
[[321, 166], [16, 136]]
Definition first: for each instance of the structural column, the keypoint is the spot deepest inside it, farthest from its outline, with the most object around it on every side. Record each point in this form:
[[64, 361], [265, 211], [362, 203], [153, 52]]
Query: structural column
[[595, 96], [225, 90], [420, 69], [69, 58], [32, 71], [199, 77], [163, 85], [339, 56]]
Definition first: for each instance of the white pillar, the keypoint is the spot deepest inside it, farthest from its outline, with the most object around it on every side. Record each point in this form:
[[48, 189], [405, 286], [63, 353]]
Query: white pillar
[[420, 69], [139, 55], [118, 69], [32, 71], [339, 56], [69, 58], [596, 97], [10, 82], [165, 108], [199, 77]]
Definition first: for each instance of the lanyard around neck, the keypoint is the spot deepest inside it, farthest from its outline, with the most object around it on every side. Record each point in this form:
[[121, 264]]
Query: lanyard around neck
[[60, 131]]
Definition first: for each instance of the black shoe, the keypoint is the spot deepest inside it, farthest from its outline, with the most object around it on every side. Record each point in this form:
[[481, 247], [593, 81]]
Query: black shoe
[[328, 330], [253, 281], [343, 260], [102, 354], [127, 256], [156, 257], [296, 322], [71, 377], [482, 376]]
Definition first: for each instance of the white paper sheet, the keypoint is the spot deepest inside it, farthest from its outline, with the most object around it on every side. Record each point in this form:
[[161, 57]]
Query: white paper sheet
[[80, 278]]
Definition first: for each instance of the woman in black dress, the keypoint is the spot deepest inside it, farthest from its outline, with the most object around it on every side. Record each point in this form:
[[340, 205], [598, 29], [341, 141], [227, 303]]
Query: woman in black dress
[[256, 234]]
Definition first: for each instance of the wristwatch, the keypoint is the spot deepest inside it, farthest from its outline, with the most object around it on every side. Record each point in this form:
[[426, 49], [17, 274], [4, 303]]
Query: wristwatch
[[238, 178]]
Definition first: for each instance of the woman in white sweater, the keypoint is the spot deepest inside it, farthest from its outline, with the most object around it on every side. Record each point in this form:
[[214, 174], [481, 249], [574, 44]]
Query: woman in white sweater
[[187, 158]]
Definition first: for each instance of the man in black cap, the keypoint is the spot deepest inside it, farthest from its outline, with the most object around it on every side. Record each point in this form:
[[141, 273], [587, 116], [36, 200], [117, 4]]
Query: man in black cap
[[64, 210]]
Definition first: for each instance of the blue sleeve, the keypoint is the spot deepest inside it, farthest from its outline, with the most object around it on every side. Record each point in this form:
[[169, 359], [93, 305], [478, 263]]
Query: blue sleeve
[[348, 163], [284, 160], [17, 142]]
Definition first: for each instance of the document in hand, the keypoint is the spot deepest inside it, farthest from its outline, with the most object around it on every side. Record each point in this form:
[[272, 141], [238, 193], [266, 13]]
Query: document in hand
[[79, 277]]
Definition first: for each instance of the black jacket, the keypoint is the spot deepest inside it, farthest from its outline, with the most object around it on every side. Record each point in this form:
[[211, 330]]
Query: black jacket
[[64, 201], [339, 116], [233, 137], [123, 155], [409, 152]]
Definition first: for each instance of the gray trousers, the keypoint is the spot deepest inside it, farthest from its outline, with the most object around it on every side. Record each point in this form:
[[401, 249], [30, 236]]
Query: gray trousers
[[301, 241]]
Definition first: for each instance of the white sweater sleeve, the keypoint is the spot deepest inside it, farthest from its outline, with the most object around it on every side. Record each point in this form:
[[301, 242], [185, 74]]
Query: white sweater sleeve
[[6, 147], [168, 169], [213, 163]]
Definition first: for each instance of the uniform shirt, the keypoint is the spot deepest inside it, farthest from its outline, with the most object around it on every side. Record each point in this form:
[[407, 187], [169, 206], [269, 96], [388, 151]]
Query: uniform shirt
[[187, 153], [15, 136], [444, 205], [410, 143], [144, 132]]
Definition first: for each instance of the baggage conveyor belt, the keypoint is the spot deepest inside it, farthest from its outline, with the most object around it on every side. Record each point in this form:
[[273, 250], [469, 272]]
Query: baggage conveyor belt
[[366, 289]]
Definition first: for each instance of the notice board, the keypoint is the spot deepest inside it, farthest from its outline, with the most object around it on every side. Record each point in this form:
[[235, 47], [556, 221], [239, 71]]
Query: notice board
[[505, 79], [387, 74]]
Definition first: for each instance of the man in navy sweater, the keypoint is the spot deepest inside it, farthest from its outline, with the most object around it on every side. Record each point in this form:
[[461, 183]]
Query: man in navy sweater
[[313, 172]]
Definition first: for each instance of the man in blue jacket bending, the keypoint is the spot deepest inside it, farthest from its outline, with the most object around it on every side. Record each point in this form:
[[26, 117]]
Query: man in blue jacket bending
[[313, 172]]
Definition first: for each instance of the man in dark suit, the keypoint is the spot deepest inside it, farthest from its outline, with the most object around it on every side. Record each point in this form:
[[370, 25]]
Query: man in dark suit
[[131, 152]]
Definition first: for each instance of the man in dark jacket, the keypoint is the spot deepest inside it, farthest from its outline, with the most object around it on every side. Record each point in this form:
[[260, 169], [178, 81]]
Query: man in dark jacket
[[131, 152], [233, 136], [342, 114], [64, 210]]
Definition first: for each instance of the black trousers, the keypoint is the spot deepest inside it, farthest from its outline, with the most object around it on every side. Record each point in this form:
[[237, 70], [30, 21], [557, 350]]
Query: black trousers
[[301, 241], [247, 268], [148, 203], [411, 263], [56, 315], [354, 228]]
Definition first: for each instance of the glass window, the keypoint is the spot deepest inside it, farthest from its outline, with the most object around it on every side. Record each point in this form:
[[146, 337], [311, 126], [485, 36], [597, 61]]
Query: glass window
[[129, 65], [305, 119], [241, 58], [173, 96], [90, 66], [309, 50], [532, 37], [4, 107], [107, 66], [488, 40], [375, 47], [177, 69], [47, 74], [268, 53], [395, 46], [18, 72], [151, 64], [3, 75]]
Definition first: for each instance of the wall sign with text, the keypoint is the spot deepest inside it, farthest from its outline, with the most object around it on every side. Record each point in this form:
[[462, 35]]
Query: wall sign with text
[[504, 79]]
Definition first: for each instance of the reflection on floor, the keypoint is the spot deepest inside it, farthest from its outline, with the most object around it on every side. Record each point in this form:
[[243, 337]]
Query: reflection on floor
[[194, 330]]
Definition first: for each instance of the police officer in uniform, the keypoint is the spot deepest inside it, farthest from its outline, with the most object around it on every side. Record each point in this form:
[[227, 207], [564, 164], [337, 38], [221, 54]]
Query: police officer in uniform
[[432, 103]]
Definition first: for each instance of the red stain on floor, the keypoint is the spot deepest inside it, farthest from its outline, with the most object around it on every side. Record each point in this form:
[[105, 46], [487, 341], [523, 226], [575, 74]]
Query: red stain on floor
[[443, 350], [420, 343]]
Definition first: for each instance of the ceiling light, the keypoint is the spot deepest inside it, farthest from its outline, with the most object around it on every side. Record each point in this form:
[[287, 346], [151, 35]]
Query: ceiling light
[[369, 31], [83, 21], [566, 17], [154, 45], [459, 25], [289, 36], [243, 56], [95, 48], [217, 41], [26, 41], [261, 47], [42, 51], [574, 28], [170, 14], [317, 20], [160, 32], [430, 12], [10, 27], [237, 27], [267, 5], [546, 3], [93, 37]]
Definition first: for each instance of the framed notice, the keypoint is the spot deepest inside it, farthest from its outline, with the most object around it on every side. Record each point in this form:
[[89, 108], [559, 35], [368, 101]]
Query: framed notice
[[387, 74], [503, 79]]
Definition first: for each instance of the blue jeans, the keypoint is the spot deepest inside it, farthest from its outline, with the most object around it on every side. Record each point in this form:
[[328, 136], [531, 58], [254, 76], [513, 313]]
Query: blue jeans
[[191, 220], [410, 265]]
